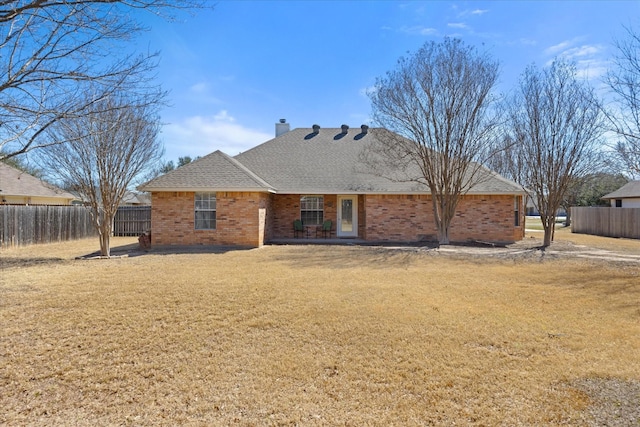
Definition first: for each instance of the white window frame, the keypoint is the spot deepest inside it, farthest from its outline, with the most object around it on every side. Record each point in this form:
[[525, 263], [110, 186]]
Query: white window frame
[[312, 204], [205, 204]]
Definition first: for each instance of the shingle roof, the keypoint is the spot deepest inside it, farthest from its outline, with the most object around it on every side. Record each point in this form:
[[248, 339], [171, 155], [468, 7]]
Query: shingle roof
[[14, 182], [630, 189], [213, 172], [135, 198], [302, 161]]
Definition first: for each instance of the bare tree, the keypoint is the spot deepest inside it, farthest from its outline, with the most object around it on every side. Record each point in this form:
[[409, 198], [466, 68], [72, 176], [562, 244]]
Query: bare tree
[[106, 151], [20, 163], [554, 132], [437, 105], [54, 53], [624, 80]]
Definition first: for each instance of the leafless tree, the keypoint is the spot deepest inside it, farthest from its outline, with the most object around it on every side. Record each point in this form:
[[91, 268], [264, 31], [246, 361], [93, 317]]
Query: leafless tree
[[54, 53], [624, 80], [104, 154], [553, 137], [438, 106]]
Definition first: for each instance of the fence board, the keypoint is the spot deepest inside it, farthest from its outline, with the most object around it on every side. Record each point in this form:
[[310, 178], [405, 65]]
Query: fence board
[[26, 225], [606, 221], [132, 220]]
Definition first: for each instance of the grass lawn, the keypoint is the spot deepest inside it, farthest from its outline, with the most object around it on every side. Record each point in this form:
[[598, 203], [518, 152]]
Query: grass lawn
[[534, 223], [314, 335]]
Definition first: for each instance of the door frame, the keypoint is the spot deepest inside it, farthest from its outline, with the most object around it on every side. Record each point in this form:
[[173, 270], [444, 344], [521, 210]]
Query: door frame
[[354, 231]]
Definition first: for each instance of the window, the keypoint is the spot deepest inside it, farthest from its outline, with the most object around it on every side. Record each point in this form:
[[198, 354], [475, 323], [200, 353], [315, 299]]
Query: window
[[312, 210], [205, 211], [618, 203], [516, 211]]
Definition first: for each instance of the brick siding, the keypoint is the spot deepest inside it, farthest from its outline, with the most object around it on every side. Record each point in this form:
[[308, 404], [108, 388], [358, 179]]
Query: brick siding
[[238, 219], [410, 218], [252, 219], [399, 218]]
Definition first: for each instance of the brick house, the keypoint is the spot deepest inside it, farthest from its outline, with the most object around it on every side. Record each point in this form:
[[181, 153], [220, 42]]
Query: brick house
[[316, 175]]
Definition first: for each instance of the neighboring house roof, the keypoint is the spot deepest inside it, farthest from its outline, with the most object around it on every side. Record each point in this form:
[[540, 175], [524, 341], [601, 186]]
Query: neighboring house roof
[[131, 198], [14, 182], [304, 161], [213, 172], [630, 190]]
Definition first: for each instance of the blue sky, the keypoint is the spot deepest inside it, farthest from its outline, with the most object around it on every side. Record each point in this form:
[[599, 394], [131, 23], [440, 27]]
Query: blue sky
[[235, 70]]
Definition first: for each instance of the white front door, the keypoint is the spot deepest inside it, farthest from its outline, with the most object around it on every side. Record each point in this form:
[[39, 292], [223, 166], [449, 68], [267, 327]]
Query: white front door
[[347, 216]]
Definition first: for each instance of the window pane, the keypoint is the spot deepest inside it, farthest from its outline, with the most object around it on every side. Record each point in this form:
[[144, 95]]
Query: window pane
[[205, 220], [205, 211], [312, 210]]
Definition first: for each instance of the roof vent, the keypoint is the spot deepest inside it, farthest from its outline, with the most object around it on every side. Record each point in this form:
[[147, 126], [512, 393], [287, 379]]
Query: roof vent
[[316, 128], [283, 120], [365, 129], [345, 128]]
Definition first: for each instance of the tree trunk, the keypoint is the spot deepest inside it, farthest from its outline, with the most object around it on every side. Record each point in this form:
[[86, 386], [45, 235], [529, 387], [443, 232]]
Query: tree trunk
[[105, 239], [547, 238], [443, 234], [442, 224], [548, 224]]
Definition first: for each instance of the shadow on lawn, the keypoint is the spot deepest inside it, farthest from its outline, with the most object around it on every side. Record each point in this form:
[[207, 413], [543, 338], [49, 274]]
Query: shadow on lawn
[[7, 263], [344, 257], [402, 255], [134, 250]]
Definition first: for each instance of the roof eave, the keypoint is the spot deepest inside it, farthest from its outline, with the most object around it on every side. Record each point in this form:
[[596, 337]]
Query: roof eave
[[209, 189], [48, 196], [394, 193]]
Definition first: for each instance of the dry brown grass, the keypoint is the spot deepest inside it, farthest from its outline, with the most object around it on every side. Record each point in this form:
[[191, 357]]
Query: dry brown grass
[[606, 243], [309, 335]]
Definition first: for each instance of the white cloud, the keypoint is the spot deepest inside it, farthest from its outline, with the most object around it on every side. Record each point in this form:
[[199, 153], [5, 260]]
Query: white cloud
[[581, 51], [223, 116], [457, 25], [558, 48], [200, 135], [198, 88], [591, 69], [419, 30], [201, 93], [524, 42], [563, 46], [588, 58], [466, 12]]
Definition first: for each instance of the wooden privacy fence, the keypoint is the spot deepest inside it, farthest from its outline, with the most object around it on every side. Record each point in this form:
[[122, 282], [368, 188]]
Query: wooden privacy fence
[[132, 220], [606, 221], [25, 225]]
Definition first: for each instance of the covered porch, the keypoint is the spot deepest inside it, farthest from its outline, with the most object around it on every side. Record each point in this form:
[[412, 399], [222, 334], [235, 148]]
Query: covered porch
[[312, 240]]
